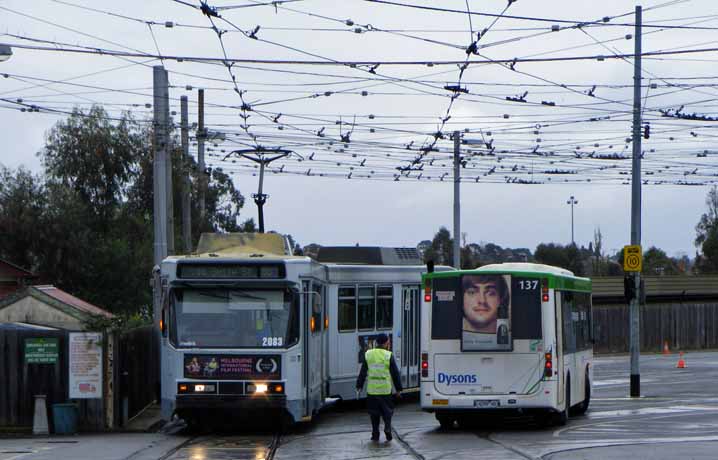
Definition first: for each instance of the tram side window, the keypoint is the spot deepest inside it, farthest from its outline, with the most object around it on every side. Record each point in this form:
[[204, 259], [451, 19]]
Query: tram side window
[[367, 307], [384, 304], [347, 308]]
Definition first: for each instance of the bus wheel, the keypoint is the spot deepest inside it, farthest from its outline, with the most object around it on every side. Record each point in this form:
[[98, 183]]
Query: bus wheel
[[583, 407], [561, 418], [446, 421]]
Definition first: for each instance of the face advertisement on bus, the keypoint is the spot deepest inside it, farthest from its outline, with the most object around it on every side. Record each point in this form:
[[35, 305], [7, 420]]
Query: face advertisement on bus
[[486, 317], [487, 312]]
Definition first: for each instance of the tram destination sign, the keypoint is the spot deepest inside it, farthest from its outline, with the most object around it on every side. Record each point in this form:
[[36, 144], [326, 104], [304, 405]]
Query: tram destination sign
[[233, 367], [230, 271]]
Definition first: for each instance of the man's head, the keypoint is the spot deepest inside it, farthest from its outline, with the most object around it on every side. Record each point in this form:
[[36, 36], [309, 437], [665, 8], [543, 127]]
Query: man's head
[[484, 295], [382, 340]]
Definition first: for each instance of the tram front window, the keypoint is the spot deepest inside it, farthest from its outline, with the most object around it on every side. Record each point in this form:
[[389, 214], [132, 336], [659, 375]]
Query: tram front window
[[234, 318]]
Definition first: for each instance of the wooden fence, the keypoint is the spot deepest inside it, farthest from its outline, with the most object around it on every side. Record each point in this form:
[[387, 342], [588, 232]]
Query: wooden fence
[[139, 371], [684, 326], [21, 381], [131, 377]]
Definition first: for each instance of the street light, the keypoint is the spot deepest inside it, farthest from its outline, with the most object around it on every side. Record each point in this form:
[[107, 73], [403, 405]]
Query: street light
[[572, 201], [5, 52]]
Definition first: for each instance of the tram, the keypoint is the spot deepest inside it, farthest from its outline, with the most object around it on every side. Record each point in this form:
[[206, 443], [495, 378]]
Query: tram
[[248, 330], [506, 337]]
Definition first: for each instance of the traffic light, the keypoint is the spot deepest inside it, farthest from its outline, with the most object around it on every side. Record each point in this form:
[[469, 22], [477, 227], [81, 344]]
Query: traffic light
[[629, 288], [647, 131]]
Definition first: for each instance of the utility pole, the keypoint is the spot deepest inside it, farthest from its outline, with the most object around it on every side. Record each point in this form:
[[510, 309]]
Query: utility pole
[[186, 198], [160, 176], [201, 136], [572, 201], [635, 344], [258, 155], [457, 202]]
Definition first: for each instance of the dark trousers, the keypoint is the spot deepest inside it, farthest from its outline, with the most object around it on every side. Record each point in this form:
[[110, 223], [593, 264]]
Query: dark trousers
[[380, 406]]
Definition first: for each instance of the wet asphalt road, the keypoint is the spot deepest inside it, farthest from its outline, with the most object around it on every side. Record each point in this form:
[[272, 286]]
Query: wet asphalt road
[[676, 418]]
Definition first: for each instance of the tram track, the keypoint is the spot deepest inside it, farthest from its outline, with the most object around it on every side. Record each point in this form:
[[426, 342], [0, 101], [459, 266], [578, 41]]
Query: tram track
[[274, 446], [407, 446]]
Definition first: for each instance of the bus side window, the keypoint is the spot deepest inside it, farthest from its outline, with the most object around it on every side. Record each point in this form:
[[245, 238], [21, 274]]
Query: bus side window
[[567, 313]]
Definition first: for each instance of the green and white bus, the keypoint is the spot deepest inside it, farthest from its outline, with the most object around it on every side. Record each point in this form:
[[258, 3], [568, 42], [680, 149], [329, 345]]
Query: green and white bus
[[512, 337]]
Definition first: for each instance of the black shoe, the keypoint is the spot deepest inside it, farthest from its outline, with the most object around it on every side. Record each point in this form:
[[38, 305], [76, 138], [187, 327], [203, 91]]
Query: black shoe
[[375, 437], [389, 437]]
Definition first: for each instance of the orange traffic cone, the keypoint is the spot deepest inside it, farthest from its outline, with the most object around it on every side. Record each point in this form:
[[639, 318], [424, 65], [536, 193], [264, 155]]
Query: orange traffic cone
[[666, 350], [681, 362]]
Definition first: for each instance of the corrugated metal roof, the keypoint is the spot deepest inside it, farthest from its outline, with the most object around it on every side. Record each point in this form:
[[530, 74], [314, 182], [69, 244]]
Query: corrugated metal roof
[[15, 270], [71, 300]]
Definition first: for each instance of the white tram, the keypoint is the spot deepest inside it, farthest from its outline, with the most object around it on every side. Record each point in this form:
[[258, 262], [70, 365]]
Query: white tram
[[247, 330]]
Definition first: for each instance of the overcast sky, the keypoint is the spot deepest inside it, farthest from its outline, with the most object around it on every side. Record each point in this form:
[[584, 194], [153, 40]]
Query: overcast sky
[[336, 191]]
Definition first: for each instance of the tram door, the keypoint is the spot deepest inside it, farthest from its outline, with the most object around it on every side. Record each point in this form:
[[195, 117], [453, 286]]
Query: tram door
[[410, 336], [313, 301]]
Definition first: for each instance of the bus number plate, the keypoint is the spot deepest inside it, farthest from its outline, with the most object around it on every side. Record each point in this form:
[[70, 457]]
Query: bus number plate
[[486, 403]]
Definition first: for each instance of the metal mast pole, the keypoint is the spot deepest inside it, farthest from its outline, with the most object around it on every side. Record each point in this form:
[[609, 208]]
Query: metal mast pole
[[161, 115], [258, 156], [457, 201], [201, 136], [635, 345], [260, 198], [186, 200]]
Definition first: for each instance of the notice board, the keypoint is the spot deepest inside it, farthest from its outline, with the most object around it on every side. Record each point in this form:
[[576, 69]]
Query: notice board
[[85, 365]]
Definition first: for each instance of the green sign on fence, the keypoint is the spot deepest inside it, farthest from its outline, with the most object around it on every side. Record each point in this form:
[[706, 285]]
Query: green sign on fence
[[41, 351]]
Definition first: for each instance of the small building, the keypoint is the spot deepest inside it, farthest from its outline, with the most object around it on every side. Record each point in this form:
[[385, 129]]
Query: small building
[[13, 278], [49, 306]]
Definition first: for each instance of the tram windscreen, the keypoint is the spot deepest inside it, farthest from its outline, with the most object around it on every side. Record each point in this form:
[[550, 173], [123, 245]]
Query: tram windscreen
[[234, 318]]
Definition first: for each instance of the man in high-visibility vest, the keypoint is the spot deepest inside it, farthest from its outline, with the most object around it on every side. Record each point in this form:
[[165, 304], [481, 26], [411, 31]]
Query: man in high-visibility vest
[[379, 370]]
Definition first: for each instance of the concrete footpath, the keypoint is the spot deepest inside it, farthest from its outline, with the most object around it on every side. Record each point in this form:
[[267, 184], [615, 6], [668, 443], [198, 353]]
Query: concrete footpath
[[104, 446]]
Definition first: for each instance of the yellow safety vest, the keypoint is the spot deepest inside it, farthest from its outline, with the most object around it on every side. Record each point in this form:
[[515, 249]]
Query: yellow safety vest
[[378, 375]]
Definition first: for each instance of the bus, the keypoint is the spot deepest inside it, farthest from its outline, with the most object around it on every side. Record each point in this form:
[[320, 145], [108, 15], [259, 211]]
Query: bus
[[506, 338], [249, 331]]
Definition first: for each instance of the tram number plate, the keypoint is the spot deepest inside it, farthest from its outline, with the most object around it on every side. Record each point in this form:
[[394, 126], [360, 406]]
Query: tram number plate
[[486, 403]]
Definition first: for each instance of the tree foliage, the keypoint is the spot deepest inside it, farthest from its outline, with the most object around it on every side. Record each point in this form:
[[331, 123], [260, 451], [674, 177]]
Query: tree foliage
[[568, 257], [441, 250], [86, 224], [707, 234]]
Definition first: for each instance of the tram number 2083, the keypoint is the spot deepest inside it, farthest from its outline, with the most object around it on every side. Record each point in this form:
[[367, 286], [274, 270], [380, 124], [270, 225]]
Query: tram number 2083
[[271, 341]]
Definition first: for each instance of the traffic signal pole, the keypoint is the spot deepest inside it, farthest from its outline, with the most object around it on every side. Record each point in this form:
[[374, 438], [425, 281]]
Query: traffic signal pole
[[635, 342]]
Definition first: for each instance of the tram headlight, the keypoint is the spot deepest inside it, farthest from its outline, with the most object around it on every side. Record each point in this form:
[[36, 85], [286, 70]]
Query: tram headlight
[[257, 388]]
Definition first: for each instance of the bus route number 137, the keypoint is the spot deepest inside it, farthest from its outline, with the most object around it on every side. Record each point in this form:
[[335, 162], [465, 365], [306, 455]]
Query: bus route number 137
[[528, 285]]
